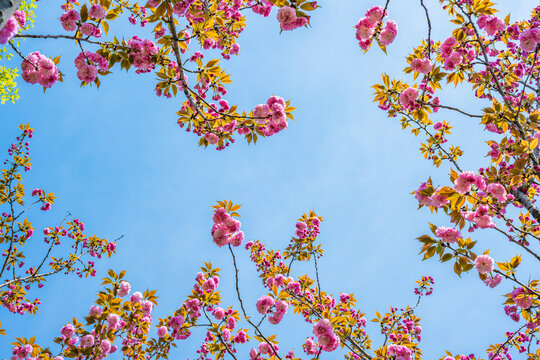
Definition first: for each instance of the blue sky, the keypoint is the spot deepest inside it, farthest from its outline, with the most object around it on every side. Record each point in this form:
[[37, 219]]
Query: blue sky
[[116, 159]]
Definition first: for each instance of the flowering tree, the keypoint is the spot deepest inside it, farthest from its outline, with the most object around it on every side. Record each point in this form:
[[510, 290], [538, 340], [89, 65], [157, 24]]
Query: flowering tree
[[16, 275], [499, 60], [183, 32]]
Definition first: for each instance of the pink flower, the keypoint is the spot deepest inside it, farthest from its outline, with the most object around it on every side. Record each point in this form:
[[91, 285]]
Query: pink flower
[[261, 111], [96, 11], [491, 24], [105, 346], [272, 100], [437, 199], [68, 330], [421, 65], [176, 322], [218, 313], [484, 264], [113, 320], [143, 53], [220, 215], [95, 311], [310, 348], [522, 300], [400, 352], [322, 327], [124, 289], [87, 29], [498, 191], [449, 235], [452, 61], [39, 69], [408, 97], [375, 15], [364, 29], [329, 342], [12, 26], [231, 323], [288, 20], [69, 19], [422, 199], [464, 182], [493, 281], [529, 38], [146, 307], [387, 36], [87, 341], [253, 354], [211, 138], [162, 331], [136, 297], [236, 239], [482, 218], [286, 14], [240, 337], [264, 304]]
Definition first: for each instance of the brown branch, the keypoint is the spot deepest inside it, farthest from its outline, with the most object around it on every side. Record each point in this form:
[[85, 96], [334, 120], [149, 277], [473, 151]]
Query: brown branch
[[172, 28], [429, 28], [258, 331]]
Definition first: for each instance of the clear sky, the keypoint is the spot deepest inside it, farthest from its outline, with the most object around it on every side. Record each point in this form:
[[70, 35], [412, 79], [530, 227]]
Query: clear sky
[[116, 159]]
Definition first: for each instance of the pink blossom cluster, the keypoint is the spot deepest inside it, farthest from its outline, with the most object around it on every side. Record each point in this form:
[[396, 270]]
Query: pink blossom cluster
[[326, 337], [436, 199], [521, 298], [490, 24], [124, 289], [309, 229], [425, 286], [310, 347], [144, 51], [181, 7], [39, 69], [87, 70], [367, 26], [69, 20], [421, 65], [21, 352], [263, 349], [493, 281], [448, 234], [480, 217], [12, 26], [263, 7], [288, 20], [15, 303], [400, 352], [451, 58], [484, 264], [408, 97], [90, 30], [96, 11], [528, 40], [226, 229], [498, 191], [265, 303], [90, 340], [205, 285], [512, 311], [466, 180], [271, 116]]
